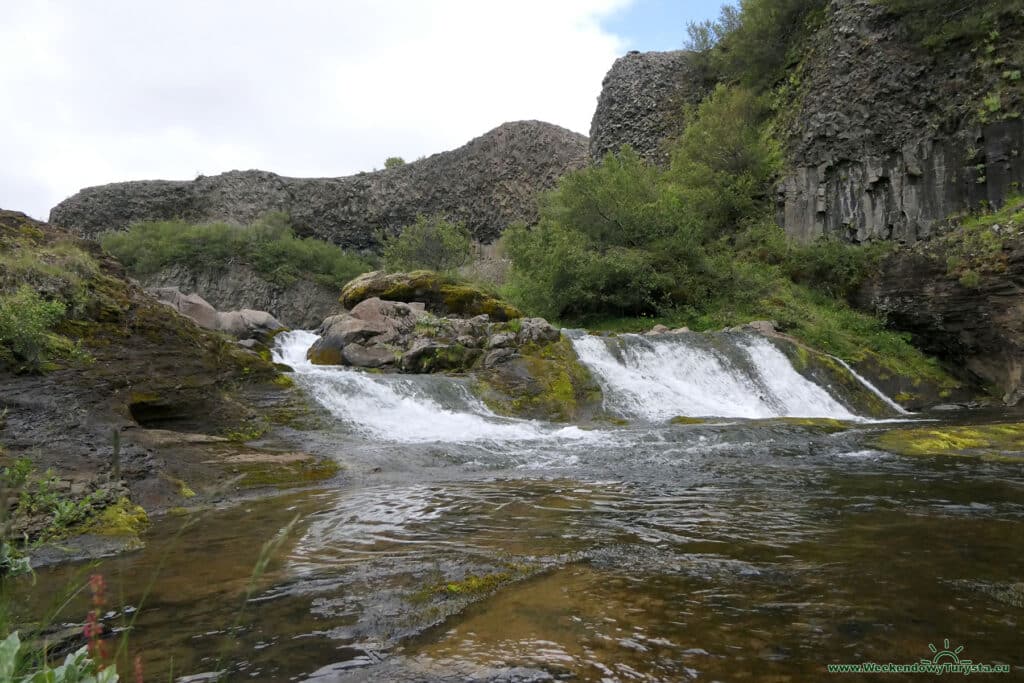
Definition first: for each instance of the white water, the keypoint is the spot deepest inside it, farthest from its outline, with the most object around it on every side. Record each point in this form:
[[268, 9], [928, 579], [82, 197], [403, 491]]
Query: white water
[[657, 379], [872, 388], [420, 409]]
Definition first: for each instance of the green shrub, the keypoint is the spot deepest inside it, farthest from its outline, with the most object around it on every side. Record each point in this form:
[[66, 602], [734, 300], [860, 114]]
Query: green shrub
[[428, 244], [394, 162], [26, 324], [724, 163], [269, 246], [756, 42]]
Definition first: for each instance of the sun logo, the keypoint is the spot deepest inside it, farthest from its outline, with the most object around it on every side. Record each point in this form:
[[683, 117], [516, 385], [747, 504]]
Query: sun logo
[[945, 653]]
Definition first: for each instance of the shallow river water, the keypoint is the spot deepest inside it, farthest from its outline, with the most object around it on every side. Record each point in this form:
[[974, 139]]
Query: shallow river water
[[462, 546]]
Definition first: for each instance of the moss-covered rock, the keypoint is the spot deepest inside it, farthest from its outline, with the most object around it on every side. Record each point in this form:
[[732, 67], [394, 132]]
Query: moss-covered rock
[[684, 420], [543, 381], [441, 294], [1002, 441]]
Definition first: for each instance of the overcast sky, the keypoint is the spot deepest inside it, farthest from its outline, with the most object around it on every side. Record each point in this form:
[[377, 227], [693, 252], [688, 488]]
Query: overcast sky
[[98, 91]]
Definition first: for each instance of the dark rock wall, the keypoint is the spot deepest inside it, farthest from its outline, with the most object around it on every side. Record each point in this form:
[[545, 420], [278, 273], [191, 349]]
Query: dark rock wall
[[489, 183], [642, 102], [978, 328], [905, 195], [881, 135]]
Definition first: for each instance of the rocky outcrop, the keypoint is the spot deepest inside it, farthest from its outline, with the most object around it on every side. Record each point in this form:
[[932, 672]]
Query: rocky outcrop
[[907, 149], [908, 194], [489, 183], [976, 323], [642, 101], [122, 369], [244, 324], [407, 338], [300, 305], [440, 294]]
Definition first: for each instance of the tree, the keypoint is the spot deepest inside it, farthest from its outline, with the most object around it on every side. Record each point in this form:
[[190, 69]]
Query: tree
[[431, 243], [394, 162]]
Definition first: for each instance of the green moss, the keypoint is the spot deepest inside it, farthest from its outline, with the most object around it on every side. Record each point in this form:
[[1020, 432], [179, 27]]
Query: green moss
[[123, 518], [245, 433], [284, 381], [287, 474], [441, 293], [818, 424], [473, 585], [553, 384], [1003, 441], [683, 420]]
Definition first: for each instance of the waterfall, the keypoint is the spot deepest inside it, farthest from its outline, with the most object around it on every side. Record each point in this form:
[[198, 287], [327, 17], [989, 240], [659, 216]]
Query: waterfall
[[697, 375], [407, 408]]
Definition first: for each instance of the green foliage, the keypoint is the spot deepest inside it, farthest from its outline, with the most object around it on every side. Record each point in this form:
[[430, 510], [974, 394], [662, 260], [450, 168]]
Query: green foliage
[[78, 667], [725, 161], [269, 246], [430, 243], [394, 162], [755, 43], [944, 23], [833, 267], [26, 324], [625, 238]]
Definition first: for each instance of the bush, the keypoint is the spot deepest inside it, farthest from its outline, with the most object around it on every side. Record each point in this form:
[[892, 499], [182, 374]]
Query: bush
[[429, 243], [26, 324], [269, 246], [756, 43], [724, 163], [394, 162]]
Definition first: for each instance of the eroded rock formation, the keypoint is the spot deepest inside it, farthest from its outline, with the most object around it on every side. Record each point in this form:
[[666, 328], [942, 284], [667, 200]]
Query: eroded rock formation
[[642, 102], [489, 183]]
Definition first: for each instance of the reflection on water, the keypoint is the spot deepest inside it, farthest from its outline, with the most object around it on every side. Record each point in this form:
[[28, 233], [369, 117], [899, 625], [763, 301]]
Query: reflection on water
[[721, 553]]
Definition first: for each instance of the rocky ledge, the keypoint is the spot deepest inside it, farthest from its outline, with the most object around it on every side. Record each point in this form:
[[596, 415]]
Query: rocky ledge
[[488, 183]]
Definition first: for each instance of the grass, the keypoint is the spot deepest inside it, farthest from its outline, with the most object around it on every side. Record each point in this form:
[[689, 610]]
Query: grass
[[269, 246]]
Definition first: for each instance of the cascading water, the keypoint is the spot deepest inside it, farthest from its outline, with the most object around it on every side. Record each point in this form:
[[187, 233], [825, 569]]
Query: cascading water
[[406, 409], [695, 375]]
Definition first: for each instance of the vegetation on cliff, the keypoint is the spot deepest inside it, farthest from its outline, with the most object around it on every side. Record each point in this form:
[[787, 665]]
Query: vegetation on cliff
[[269, 245], [624, 244]]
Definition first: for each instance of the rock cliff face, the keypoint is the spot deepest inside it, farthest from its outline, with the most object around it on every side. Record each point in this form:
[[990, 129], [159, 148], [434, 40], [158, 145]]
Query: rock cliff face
[[642, 101], [880, 137], [978, 325], [489, 183], [301, 305]]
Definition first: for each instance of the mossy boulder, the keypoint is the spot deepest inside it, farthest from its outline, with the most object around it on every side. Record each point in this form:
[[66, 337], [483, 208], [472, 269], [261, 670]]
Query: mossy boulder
[[442, 295], [1001, 441], [541, 381]]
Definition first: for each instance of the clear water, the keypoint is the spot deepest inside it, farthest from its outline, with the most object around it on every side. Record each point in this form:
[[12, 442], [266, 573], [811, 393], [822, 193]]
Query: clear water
[[733, 550]]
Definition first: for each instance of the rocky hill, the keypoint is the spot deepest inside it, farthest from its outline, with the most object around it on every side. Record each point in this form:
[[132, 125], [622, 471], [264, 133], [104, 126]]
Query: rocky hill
[[490, 182], [642, 100], [882, 135]]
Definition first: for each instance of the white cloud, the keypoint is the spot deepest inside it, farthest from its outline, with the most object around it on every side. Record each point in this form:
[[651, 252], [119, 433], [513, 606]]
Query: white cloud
[[101, 91]]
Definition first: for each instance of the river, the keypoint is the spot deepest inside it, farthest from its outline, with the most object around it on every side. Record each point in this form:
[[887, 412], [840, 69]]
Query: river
[[459, 545]]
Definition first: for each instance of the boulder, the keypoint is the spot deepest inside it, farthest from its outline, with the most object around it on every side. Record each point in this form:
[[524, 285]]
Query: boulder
[[368, 356], [243, 324], [537, 331], [248, 323], [191, 306], [439, 294], [657, 329]]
